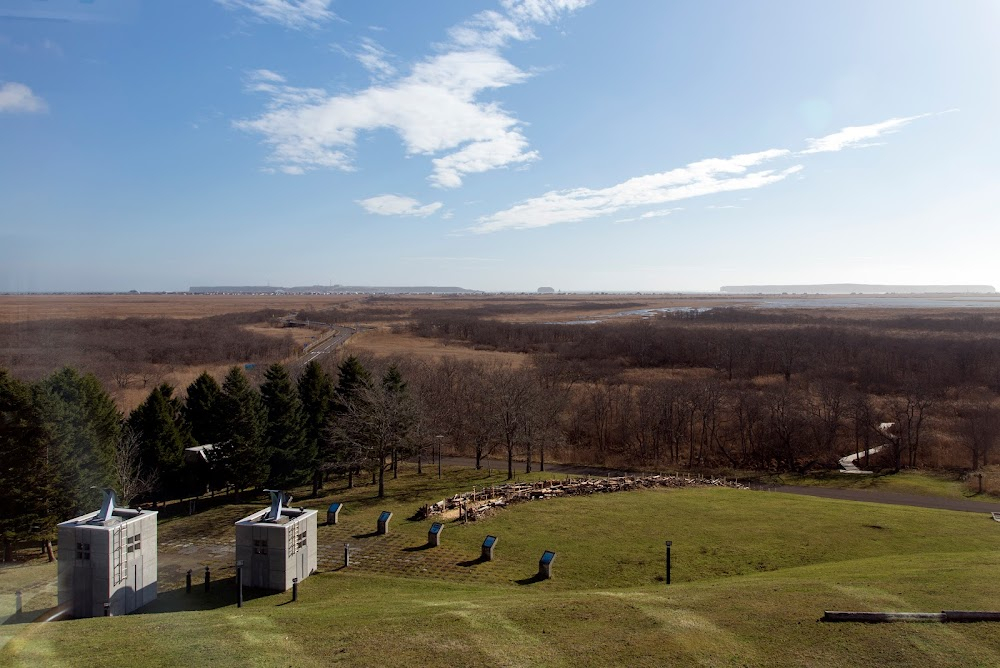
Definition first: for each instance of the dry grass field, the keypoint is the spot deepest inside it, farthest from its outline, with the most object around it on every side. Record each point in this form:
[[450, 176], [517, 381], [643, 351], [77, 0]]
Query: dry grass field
[[19, 308], [382, 342], [520, 308], [375, 315]]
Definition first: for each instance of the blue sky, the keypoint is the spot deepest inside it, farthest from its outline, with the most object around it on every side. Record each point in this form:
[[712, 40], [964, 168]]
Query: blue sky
[[497, 144]]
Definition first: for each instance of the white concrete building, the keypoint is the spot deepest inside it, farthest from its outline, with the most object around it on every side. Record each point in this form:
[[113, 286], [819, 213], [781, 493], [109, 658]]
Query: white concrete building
[[107, 557], [277, 544]]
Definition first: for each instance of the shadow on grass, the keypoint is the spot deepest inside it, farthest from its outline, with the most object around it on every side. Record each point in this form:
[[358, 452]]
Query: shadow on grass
[[472, 562], [418, 548], [24, 617], [222, 594], [537, 577], [370, 534]]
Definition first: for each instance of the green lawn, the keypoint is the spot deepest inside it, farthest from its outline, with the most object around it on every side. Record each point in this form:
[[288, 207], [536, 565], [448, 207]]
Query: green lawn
[[925, 483], [752, 574]]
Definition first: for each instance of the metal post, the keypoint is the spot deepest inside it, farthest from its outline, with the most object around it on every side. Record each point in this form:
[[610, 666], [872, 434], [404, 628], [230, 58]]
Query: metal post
[[188, 588], [208, 580], [295, 589], [668, 561], [347, 555], [980, 483], [18, 603], [239, 584]]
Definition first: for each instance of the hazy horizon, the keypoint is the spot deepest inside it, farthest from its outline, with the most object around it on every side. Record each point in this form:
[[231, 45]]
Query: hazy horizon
[[497, 145]]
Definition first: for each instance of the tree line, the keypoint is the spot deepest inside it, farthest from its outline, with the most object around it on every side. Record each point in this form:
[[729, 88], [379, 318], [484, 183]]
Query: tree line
[[62, 439], [769, 392], [137, 352]]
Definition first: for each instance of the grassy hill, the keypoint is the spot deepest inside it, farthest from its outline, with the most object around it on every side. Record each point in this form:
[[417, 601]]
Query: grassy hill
[[752, 574]]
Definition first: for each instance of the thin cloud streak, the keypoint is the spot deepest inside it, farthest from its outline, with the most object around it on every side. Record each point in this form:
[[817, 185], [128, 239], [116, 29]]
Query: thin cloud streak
[[295, 14], [705, 177], [860, 136]]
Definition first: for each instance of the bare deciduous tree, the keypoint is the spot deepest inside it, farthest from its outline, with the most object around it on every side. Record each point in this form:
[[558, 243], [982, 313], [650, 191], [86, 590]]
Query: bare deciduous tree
[[979, 429], [130, 478]]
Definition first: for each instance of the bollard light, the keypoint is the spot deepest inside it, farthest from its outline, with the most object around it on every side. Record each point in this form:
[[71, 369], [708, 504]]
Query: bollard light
[[239, 584], [669, 543]]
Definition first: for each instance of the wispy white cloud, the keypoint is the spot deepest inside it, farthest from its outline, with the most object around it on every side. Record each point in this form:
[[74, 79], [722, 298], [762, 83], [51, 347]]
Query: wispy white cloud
[[296, 14], [656, 213], [697, 179], [705, 177], [375, 59], [435, 108], [18, 98], [397, 205], [858, 136]]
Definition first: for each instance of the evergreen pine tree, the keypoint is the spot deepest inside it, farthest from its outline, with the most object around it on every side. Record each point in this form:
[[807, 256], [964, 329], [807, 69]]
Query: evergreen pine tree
[[163, 434], [315, 389], [25, 509], [393, 381], [85, 424], [241, 455], [292, 458], [201, 409], [353, 378]]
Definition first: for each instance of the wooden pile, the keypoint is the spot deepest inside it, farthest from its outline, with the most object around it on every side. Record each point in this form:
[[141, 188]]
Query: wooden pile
[[482, 502]]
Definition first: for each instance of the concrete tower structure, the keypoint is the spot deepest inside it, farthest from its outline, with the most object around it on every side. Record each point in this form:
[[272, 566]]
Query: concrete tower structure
[[277, 544], [107, 560]]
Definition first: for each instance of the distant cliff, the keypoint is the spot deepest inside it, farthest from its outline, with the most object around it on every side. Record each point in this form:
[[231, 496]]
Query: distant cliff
[[856, 288], [327, 289]]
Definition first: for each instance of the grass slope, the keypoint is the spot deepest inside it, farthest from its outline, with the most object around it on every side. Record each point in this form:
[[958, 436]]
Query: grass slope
[[752, 573], [924, 483]]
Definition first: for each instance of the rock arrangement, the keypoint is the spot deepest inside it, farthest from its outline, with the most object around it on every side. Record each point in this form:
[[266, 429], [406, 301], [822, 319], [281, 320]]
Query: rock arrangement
[[479, 503]]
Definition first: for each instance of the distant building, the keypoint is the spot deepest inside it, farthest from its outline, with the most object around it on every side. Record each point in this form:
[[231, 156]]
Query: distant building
[[107, 558], [546, 291], [277, 544]]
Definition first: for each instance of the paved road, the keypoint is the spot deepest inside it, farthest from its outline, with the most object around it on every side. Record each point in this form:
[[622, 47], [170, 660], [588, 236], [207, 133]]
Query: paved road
[[329, 345], [869, 496]]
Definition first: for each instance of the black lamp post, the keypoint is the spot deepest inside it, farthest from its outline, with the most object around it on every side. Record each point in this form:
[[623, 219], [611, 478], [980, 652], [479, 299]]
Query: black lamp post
[[239, 584], [668, 560]]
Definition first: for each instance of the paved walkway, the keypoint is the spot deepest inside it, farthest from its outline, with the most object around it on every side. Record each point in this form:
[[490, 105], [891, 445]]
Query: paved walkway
[[848, 462]]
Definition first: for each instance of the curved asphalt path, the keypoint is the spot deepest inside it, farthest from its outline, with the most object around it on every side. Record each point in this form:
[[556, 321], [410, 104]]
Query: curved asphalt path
[[865, 495]]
